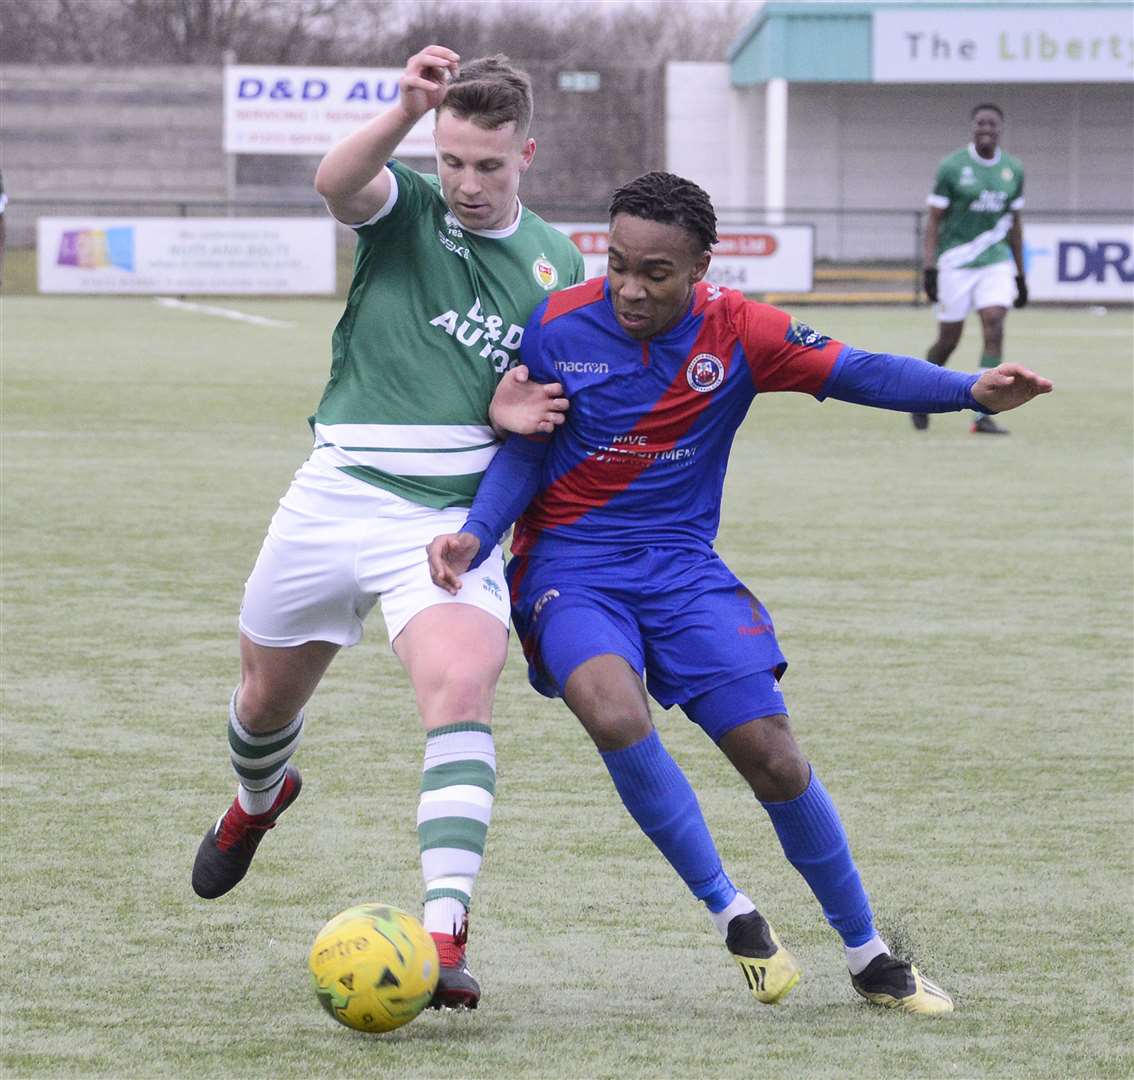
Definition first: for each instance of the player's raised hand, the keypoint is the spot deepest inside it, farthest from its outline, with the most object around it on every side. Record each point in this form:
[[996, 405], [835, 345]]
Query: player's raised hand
[[525, 407], [426, 78], [449, 557], [1009, 386]]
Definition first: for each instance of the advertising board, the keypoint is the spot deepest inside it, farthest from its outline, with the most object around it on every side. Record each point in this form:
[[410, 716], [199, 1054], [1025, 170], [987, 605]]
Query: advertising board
[[306, 110], [1072, 262], [219, 256], [760, 258]]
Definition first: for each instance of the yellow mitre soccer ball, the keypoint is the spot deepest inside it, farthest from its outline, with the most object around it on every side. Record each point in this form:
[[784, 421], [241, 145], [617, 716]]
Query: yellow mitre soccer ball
[[374, 968]]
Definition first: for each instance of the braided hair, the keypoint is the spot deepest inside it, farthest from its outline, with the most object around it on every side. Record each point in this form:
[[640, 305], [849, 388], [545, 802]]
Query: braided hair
[[670, 200]]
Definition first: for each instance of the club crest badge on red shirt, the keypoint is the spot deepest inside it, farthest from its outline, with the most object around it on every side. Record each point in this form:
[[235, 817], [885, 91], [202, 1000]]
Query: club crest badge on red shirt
[[705, 372]]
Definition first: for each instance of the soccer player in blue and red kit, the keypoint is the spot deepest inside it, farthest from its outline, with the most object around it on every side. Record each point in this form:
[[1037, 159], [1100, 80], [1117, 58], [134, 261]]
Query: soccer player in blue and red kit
[[614, 575]]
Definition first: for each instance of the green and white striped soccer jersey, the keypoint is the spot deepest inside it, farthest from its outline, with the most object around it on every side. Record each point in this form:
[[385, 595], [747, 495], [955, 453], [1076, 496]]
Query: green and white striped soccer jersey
[[978, 196], [433, 319]]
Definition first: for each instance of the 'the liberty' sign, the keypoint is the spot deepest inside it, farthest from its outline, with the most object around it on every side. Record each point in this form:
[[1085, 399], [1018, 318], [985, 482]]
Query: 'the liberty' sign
[[1081, 43]]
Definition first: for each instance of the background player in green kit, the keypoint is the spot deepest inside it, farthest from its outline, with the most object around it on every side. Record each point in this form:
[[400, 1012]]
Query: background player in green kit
[[974, 247], [448, 269]]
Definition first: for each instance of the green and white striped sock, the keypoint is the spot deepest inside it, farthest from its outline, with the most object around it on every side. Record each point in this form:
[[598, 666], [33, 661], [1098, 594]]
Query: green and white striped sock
[[458, 783], [259, 760]]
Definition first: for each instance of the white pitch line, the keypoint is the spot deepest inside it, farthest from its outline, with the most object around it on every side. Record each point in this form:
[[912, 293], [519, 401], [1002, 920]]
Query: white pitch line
[[221, 312]]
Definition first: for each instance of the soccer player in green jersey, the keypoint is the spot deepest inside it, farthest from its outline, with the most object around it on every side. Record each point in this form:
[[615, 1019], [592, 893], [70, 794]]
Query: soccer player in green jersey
[[974, 248], [423, 379]]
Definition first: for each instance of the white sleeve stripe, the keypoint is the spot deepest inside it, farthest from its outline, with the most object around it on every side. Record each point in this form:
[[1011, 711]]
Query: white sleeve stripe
[[1017, 204], [940, 201], [387, 206]]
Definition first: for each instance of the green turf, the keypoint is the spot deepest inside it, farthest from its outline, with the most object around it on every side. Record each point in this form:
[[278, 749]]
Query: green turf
[[18, 272], [957, 611]]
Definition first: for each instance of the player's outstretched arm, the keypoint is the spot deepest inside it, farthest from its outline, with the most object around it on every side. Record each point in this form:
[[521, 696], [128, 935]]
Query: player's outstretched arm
[[523, 407], [449, 557], [506, 488], [1008, 387], [351, 176]]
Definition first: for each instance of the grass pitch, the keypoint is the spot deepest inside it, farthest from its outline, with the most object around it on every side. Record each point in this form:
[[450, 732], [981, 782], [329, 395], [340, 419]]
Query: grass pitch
[[956, 609]]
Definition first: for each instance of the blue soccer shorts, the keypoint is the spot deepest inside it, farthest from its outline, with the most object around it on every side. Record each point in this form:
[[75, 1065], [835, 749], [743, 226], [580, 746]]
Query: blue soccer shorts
[[679, 617]]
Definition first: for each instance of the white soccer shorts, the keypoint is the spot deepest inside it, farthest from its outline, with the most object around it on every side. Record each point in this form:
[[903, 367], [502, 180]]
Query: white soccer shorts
[[972, 288], [335, 546]]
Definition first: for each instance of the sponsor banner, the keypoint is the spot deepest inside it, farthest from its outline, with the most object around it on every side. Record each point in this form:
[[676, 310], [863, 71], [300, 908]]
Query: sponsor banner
[[1038, 43], [227, 256], [306, 110], [761, 258], [1087, 262]]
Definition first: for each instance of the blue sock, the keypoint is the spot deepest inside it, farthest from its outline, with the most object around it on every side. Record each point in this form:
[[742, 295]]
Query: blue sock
[[815, 843], [662, 802]]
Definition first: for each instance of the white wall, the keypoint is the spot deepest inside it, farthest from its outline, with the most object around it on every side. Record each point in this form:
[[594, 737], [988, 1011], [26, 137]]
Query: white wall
[[699, 125]]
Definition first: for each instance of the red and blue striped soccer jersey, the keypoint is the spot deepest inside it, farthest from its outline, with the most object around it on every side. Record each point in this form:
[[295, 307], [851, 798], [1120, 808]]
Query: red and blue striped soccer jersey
[[642, 455], [641, 458]]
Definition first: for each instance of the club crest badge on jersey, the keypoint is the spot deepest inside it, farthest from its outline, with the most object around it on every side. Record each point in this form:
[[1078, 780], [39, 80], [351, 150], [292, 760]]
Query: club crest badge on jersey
[[801, 334], [545, 273], [705, 372]]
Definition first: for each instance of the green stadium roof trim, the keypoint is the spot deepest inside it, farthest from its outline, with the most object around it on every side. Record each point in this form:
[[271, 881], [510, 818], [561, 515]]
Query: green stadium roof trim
[[823, 42]]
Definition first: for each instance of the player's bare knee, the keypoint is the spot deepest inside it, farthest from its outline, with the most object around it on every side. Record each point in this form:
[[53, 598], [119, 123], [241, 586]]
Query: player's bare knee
[[461, 694], [993, 334], [786, 773], [616, 729], [944, 344], [780, 750], [765, 753], [948, 338], [608, 698], [258, 710]]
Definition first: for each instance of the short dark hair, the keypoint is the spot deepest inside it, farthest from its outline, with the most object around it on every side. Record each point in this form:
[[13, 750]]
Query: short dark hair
[[491, 92], [671, 200], [986, 105]]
